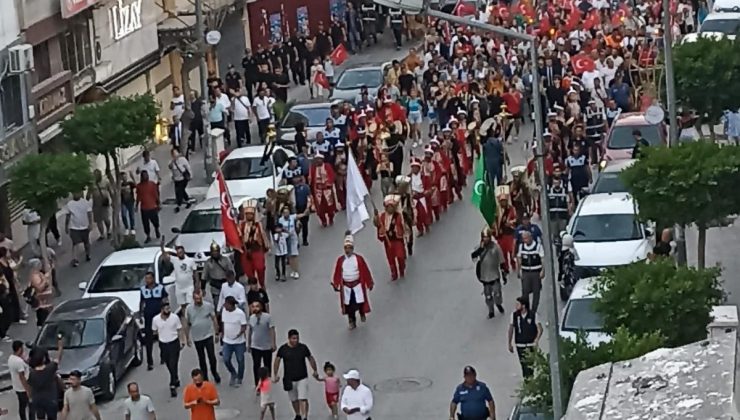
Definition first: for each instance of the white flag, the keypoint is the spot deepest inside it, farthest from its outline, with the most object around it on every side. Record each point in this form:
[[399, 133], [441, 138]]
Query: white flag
[[356, 192]]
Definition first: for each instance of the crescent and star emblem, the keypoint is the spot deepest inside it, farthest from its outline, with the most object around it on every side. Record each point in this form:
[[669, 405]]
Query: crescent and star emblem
[[479, 187]]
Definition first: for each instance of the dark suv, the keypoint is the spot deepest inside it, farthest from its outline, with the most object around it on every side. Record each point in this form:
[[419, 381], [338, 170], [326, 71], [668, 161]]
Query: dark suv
[[100, 338]]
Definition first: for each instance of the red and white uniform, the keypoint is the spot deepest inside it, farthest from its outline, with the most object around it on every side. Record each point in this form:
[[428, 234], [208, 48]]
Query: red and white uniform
[[253, 257], [433, 174], [352, 276], [419, 186], [391, 233], [321, 179]]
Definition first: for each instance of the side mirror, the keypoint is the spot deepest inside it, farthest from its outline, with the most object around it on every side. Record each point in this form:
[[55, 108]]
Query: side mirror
[[562, 233], [175, 230], [116, 338], [168, 280], [649, 232], [29, 344], [82, 285]]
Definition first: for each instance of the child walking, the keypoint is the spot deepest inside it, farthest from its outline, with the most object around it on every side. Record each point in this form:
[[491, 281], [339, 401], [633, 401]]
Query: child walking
[[280, 246], [331, 389], [263, 389]]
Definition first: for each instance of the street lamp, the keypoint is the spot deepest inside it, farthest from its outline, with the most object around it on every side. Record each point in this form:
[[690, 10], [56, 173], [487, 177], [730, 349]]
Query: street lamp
[[422, 6]]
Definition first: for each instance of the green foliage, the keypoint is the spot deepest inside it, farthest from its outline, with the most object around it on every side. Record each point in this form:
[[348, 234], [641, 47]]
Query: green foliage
[[706, 75], [577, 356], [281, 109], [659, 297], [42, 180], [119, 122], [691, 183]]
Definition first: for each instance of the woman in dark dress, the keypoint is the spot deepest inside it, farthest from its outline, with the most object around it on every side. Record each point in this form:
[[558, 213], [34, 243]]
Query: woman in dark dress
[[7, 270]]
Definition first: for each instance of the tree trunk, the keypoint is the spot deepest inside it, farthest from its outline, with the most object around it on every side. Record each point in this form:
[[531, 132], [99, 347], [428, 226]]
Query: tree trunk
[[185, 74], [42, 240], [702, 247], [115, 188]]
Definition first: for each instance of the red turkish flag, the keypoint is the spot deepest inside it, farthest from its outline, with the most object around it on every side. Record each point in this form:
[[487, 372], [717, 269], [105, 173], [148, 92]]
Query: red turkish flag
[[464, 9], [619, 15], [339, 55], [582, 63], [501, 11], [592, 20], [321, 80], [228, 215], [523, 9], [545, 27], [573, 20]]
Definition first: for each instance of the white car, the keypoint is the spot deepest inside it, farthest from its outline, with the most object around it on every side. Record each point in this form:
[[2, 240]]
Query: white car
[[717, 25], [579, 315], [607, 233], [121, 275], [247, 176]]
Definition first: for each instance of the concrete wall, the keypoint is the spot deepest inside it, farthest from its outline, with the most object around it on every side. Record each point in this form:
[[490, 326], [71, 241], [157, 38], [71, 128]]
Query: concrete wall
[[35, 11], [9, 28]]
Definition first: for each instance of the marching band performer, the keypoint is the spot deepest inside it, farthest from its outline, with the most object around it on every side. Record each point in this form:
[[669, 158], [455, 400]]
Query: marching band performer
[[352, 279], [406, 203], [461, 137], [504, 229], [392, 232], [321, 180], [442, 162], [340, 182], [433, 174], [521, 197], [255, 243], [421, 188]]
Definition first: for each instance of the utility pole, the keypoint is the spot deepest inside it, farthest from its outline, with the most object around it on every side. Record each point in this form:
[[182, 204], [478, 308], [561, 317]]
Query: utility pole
[[670, 90], [209, 157]]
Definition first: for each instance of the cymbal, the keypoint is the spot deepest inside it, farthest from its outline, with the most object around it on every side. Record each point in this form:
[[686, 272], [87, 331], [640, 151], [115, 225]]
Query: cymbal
[[372, 127], [399, 126], [471, 126], [486, 125]]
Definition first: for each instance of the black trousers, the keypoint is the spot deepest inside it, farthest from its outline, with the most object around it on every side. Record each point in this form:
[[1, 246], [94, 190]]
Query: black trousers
[[295, 72], [205, 348], [181, 194], [150, 217], [148, 340], [260, 358], [46, 409], [243, 136], [353, 308], [24, 406], [196, 126], [262, 129], [304, 228], [171, 355], [249, 85], [53, 228], [526, 367], [397, 29]]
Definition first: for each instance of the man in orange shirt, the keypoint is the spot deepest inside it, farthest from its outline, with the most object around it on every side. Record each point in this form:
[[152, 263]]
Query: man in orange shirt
[[147, 199], [201, 398]]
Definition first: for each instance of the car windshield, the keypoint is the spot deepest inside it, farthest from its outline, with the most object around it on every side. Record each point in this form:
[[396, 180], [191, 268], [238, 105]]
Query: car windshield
[[310, 117], [356, 79], [119, 278], [580, 315], [608, 182], [725, 26], [245, 168], [606, 228], [621, 136], [75, 333], [202, 221]]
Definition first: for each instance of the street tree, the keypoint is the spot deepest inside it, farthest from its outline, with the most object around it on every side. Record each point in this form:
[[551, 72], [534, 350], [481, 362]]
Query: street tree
[[659, 297], [41, 181], [104, 128], [693, 183], [706, 77]]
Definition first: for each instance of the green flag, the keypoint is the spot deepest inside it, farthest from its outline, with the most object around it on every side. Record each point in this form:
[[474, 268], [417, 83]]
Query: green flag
[[483, 194]]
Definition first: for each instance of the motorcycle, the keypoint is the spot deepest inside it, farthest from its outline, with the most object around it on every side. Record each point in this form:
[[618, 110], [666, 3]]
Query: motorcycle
[[566, 269]]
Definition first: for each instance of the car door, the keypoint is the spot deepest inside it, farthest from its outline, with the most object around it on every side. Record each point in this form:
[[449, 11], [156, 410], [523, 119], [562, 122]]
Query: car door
[[114, 328], [129, 331]]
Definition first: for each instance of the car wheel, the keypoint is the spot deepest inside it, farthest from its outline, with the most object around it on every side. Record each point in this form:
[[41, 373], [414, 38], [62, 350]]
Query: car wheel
[[138, 353], [109, 384]]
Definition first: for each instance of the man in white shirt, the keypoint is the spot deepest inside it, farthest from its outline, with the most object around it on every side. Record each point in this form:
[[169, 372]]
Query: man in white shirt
[[234, 289], [242, 114], [77, 225], [18, 378], [185, 280], [262, 104], [137, 406], [150, 166], [225, 102], [167, 327], [357, 398], [177, 103], [234, 339]]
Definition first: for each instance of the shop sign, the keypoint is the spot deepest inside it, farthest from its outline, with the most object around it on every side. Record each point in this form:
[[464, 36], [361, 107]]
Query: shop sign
[[72, 7], [125, 18], [52, 101]]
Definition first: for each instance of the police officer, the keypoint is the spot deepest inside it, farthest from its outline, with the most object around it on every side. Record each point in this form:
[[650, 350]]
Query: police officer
[[559, 200], [396, 16], [369, 25], [473, 397], [526, 332], [290, 57], [150, 304], [595, 129], [249, 64], [530, 255], [579, 172], [214, 271]]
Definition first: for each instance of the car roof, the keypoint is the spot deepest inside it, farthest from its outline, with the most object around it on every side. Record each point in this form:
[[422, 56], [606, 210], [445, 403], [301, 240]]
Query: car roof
[[299, 107], [215, 203], [367, 68], [607, 203], [582, 289], [632, 118], [143, 255], [618, 165], [88, 308], [246, 152], [723, 16]]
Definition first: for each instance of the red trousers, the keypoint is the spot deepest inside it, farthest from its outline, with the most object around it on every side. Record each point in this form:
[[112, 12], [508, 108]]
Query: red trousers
[[395, 251], [253, 263], [445, 199], [325, 211], [423, 218], [506, 242]]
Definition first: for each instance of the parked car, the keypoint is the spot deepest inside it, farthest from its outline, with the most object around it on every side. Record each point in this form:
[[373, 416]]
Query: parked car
[[523, 412], [313, 116], [579, 315], [348, 84], [607, 232], [620, 141], [100, 338], [121, 275], [608, 180], [247, 175], [722, 22]]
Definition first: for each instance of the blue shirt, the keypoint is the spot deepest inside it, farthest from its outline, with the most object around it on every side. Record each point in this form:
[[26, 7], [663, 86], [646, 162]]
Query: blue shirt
[[152, 299], [216, 113], [301, 192], [473, 400], [620, 94], [532, 228]]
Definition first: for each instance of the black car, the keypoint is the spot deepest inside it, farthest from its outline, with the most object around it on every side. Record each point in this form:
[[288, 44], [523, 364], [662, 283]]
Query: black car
[[100, 337]]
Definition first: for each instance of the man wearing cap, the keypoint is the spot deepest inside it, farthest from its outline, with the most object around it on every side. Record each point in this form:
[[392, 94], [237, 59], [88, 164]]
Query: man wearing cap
[[392, 233], [406, 204], [321, 179], [255, 244], [420, 186], [473, 397], [357, 398], [352, 280]]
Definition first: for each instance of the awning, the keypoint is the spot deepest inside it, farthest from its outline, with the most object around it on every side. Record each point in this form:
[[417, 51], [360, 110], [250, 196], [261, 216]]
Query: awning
[[50, 133]]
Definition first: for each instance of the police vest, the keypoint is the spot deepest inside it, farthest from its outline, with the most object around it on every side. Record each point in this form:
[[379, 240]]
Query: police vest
[[157, 292], [531, 260], [557, 199], [594, 124], [396, 17], [368, 12], [525, 329]]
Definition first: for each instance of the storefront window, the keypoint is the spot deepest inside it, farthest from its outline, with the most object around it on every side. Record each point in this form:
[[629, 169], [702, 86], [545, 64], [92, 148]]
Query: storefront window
[[76, 48], [11, 101], [41, 62]]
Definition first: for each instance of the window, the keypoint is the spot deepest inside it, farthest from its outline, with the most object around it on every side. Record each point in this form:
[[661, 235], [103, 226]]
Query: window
[[355, 79], [621, 136], [76, 48], [115, 320], [311, 117], [580, 315], [201, 221], [119, 278], [245, 168], [11, 101], [75, 334], [41, 62], [606, 228]]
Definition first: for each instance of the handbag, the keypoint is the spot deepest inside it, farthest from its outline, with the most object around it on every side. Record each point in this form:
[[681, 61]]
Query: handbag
[[185, 173], [29, 295]]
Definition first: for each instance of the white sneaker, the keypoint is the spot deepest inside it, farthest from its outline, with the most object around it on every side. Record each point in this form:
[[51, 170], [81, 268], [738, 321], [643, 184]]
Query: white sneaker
[[414, 144], [296, 275], [7, 339], [23, 321]]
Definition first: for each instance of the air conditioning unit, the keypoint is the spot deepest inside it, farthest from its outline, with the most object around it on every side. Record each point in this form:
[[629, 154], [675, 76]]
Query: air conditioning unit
[[21, 58]]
